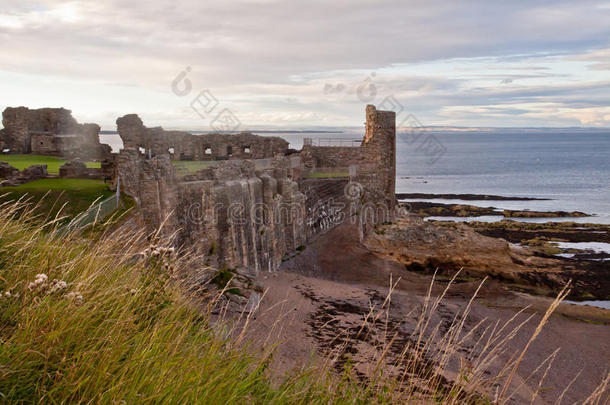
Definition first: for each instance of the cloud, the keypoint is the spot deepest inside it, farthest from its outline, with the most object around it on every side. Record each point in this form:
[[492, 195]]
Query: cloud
[[300, 63]]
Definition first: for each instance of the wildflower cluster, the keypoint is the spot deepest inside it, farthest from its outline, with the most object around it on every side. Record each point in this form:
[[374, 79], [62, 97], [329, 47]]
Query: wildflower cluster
[[9, 294], [156, 251], [161, 257], [75, 297], [42, 285], [39, 283]]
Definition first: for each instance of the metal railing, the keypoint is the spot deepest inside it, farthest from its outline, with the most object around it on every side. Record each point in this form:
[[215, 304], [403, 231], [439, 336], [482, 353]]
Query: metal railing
[[349, 142], [93, 214]]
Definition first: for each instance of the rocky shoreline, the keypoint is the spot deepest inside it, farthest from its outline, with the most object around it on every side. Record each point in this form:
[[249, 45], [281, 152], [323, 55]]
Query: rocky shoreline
[[465, 197], [426, 208], [533, 257]]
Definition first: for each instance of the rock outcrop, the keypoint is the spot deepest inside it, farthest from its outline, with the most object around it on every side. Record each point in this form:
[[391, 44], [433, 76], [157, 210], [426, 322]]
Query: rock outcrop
[[426, 247]]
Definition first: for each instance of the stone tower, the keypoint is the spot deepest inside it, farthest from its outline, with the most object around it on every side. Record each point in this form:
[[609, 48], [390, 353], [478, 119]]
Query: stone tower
[[380, 144]]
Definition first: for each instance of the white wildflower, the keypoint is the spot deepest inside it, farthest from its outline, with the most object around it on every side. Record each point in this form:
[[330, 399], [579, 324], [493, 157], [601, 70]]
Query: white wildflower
[[39, 283], [7, 294], [57, 285], [75, 296]]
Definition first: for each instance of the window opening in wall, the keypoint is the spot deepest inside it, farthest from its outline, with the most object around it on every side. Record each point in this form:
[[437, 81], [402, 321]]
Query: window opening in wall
[[229, 150], [208, 151], [171, 150], [246, 149]]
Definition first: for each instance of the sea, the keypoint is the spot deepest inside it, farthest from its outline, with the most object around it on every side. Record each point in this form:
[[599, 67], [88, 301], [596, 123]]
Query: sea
[[570, 170]]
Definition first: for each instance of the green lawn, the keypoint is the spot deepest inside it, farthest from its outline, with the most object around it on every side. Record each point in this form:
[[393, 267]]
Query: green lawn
[[327, 175], [77, 194], [191, 166], [53, 163]]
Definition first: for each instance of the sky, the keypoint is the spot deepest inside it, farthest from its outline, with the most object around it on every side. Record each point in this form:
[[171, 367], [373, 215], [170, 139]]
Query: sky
[[309, 64]]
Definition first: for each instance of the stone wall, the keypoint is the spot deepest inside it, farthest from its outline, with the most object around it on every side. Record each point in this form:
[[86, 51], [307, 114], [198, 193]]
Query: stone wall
[[50, 131], [16, 134], [333, 156], [241, 218], [230, 214], [7, 171], [10, 176], [244, 214], [185, 146], [375, 158], [76, 169], [380, 145]]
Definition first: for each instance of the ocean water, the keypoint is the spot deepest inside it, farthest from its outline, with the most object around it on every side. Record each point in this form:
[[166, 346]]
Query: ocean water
[[570, 169]]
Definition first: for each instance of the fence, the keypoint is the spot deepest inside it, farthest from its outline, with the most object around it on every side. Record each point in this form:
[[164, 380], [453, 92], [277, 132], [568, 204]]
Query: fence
[[95, 213], [333, 142]]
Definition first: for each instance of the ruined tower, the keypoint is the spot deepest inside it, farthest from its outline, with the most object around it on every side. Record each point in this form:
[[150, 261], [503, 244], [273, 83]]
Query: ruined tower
[[380, 146]]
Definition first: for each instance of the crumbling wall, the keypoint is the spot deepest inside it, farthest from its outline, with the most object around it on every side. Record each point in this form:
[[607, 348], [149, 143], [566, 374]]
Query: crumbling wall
[[16, 135], [185, 146], [334, 156], [380, 145], [76, 169], [241, 218], [236, 216], [10, 176], [50, 131], [375, 158], [230, 214]]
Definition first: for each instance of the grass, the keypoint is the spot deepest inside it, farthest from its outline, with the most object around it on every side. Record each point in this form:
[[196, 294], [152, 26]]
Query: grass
[[191, 166], [53, 163], [121, 330], [326, 175], [51, 194]]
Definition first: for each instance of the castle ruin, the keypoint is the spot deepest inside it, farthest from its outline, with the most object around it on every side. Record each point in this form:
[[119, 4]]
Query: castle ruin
[[49, 131], [249, 201], [251, 209]]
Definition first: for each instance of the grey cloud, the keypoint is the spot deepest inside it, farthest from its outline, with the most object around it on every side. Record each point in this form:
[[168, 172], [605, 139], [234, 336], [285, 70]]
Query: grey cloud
[[258, 53]]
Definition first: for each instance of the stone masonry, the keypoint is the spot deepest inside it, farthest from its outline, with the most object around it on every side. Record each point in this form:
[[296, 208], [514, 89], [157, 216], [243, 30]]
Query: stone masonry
[[245, 214], [185, 146], [50, 131]]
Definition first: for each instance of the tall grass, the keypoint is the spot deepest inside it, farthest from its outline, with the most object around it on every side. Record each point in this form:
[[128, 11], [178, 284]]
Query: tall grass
[[106, 321]]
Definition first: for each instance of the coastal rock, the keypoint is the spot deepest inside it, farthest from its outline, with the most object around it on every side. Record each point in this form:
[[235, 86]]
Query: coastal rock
[[427, 247]]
